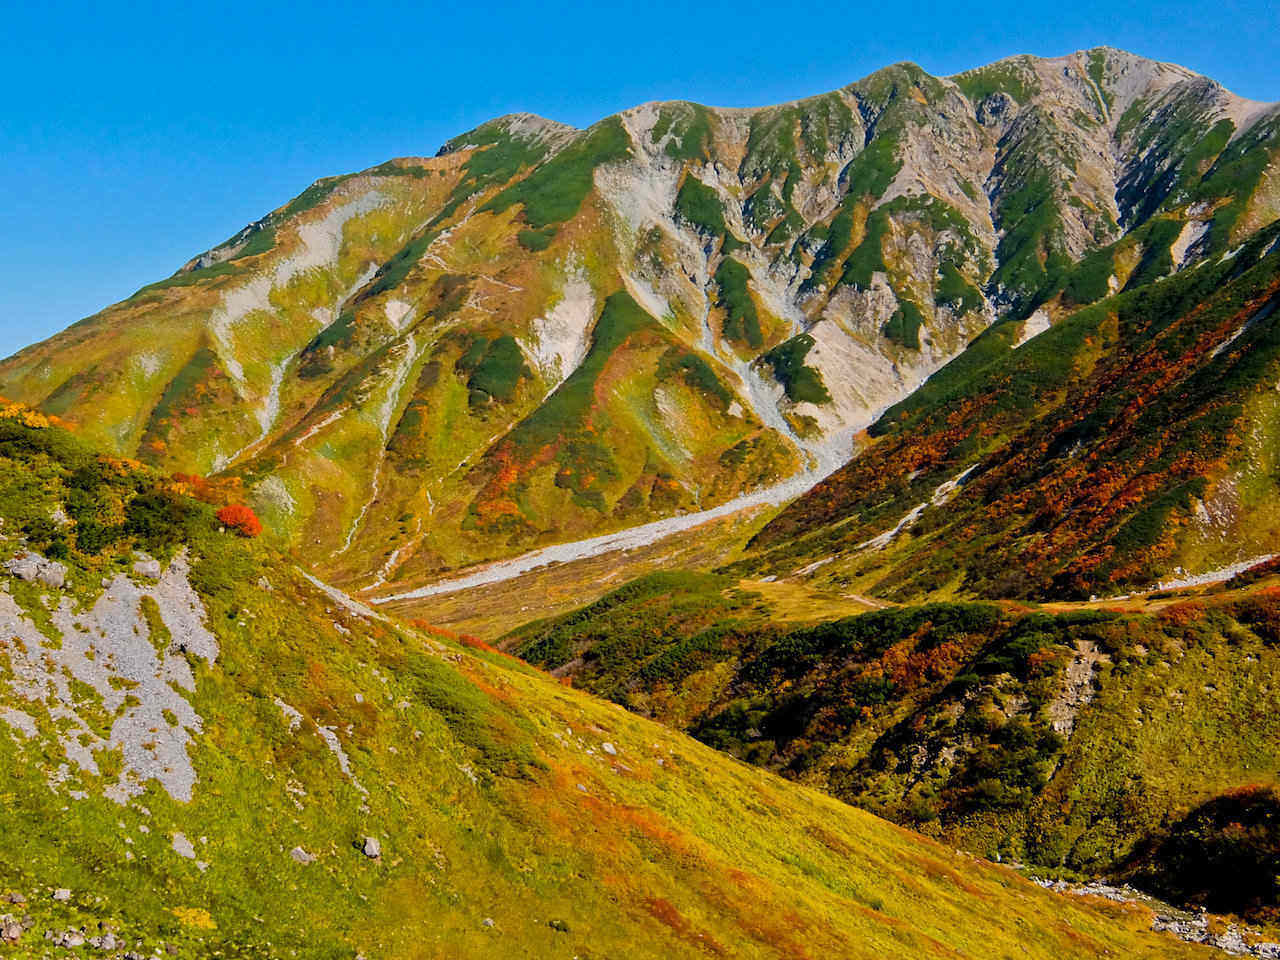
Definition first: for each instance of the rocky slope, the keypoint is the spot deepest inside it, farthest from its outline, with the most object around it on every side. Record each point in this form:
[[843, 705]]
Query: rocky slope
[[543, 333], [205, 752], [1130, 445]]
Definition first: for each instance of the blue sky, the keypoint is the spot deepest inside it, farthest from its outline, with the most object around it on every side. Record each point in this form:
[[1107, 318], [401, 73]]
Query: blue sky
[[133, 136]]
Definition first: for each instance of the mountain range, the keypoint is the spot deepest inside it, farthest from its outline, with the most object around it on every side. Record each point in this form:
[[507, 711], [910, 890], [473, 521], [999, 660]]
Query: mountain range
[[915, 443]]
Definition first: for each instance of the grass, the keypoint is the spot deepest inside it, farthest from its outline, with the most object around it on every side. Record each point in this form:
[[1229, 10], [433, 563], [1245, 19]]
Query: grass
[[553, 192], [742, 322], [942, 716], [699, 206], [492, 797], [1130, 389]]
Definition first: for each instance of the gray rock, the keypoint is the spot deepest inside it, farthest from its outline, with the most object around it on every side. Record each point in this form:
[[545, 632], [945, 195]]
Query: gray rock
[[301, 856], [147, 567], [33, 567], [62, 894], [372, 848], [609, 748], [52, 574], [487, 922], [11, 932], [16, 897], [24, 568], [182, 846]]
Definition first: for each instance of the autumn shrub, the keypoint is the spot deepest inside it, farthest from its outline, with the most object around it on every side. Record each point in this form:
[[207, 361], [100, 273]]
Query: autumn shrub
[[241, 519]]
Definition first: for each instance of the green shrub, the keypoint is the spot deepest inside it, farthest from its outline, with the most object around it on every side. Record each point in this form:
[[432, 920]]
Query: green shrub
[[802, 384]]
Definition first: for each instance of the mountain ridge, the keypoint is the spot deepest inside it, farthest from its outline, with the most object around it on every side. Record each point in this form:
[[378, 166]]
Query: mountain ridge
[[797, 270]]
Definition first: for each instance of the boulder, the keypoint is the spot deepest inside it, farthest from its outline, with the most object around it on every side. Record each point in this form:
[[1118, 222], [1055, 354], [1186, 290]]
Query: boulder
[[31, 567], [24, 568], [52, 574], [372, 848], [148, 567], [609, 748], [301, 856], [62, 894]]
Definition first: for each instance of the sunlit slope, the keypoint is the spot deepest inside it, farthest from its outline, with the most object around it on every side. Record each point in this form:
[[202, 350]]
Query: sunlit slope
[[1131, 443], [692, 302], [1082, 739], [228, 758]]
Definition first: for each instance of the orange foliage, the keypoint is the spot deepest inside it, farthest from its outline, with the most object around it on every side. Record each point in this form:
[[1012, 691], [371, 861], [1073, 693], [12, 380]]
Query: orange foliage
[[219, 492], [1179, 615], [241, 519]]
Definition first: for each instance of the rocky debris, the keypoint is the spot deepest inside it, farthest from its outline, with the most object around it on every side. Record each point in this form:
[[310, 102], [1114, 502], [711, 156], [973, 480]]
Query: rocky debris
[[301, 856], [148, 567], [1078, 687], [1233, 938], [30, 566], [67, 938], [110, 649], [371, 848], [106, 943]]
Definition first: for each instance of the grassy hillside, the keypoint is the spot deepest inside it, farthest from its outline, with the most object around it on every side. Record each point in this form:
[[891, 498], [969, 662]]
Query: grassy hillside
[[324, 782], [1077, 740]]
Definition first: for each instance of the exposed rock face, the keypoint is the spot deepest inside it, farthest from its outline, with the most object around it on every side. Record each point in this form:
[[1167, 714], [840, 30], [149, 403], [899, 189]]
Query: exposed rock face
[[128, 652]]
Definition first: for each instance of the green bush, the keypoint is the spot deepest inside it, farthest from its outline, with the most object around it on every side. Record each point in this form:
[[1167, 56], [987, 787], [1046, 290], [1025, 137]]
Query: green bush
[[802, 384]]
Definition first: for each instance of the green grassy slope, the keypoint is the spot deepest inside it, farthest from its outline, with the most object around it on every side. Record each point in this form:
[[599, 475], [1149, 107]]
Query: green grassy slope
[[514, 816], [1075, 740]]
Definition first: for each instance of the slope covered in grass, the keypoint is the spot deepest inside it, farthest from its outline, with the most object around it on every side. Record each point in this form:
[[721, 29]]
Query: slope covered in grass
[[1133, 438], [1077, 740], [354, 786]]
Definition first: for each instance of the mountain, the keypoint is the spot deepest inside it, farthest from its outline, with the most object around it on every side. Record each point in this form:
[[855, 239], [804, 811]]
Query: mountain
[[544, 334], [1132, 442], [208, 752]]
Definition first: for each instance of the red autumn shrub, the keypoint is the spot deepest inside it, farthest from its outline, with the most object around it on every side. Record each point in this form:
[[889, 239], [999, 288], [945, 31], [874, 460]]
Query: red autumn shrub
[[241, 519]]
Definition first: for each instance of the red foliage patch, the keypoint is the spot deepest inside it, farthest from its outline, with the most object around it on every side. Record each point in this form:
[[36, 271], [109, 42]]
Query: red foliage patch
[[241, 519]]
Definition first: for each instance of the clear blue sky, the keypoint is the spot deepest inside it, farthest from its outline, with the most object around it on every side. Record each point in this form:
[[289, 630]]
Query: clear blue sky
[[133, 136]]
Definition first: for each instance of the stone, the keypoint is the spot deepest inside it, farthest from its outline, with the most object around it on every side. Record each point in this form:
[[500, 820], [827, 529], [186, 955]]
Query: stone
[[487, 922], [146, 566], [52, 574], [609, 748], [24, 568], [62, 894], [301, 856], [182, 846], [372, 848], [16, 897], [11, 932]]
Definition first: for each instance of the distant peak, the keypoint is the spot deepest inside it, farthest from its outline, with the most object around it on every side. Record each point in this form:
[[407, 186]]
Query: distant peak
[[529, 127]]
